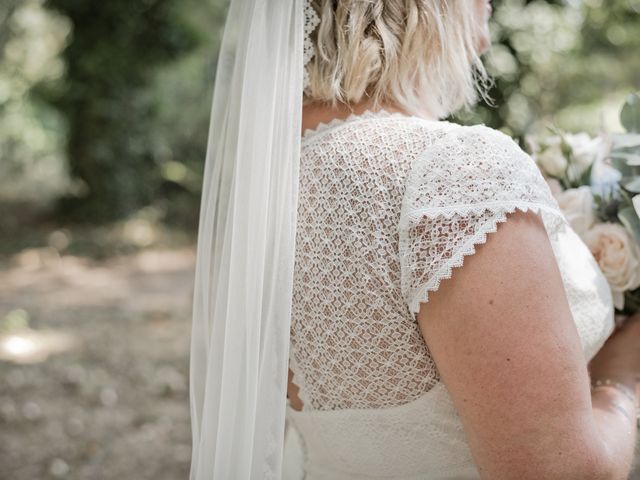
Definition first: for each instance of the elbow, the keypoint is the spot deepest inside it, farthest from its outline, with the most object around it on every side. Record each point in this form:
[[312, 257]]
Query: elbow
[[600, 466], [579, 465]]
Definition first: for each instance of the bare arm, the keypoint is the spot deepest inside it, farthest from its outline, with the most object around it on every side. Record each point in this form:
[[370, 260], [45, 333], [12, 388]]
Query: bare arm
[[615, 417], [618, 360], [503, 337]]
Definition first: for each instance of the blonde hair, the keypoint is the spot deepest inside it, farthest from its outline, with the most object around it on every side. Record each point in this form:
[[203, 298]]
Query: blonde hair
[[417, 54]]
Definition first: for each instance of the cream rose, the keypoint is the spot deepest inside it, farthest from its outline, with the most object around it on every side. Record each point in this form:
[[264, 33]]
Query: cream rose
[[577, 206], [618, 256], [551, 159]]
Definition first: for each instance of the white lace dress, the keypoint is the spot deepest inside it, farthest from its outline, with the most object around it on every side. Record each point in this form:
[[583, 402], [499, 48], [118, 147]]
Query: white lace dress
[[389, 205]]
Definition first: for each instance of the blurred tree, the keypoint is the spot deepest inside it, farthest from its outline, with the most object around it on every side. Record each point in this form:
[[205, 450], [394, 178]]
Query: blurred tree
[[7, 7], [183, 89], [568, 62], [115, 48], [31, 152], [595, 78], [529, 38]]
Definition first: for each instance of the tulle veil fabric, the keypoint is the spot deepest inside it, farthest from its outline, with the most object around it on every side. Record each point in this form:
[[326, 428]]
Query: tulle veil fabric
[[246, 239]]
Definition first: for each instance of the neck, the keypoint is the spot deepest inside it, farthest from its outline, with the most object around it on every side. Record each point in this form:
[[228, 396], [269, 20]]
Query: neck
[[316, 113]]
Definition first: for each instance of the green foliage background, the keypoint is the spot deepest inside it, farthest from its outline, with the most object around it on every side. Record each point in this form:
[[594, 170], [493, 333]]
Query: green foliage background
[[104, 106]]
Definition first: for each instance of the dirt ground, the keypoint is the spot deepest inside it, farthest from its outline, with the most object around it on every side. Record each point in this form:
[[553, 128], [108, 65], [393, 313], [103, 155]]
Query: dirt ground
[[94, 367]]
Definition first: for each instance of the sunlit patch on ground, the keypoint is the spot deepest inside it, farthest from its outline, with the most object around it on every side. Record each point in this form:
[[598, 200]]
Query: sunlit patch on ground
[[32, 346]]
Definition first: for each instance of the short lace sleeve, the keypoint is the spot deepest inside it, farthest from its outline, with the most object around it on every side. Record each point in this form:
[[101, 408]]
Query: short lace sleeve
[[456, 193]]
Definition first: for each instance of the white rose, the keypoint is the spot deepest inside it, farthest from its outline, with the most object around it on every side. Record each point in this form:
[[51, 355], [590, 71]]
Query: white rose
[[577, 206], [604, 177], [584, 151], [618, 256], [551, 159]]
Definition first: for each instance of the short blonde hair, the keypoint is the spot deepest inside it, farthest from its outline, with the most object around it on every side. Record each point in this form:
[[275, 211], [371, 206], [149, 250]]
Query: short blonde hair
[[418, 54]]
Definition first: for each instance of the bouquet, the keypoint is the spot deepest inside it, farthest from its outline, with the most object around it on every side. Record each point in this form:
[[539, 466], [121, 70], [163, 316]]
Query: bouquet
[[596, 181]]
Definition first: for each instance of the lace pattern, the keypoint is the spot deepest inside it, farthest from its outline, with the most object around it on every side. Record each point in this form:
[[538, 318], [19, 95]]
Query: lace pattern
[[352, 343], [457, 193]]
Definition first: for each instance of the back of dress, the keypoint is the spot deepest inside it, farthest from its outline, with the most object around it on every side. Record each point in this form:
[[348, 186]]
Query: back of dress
[[389, 205]]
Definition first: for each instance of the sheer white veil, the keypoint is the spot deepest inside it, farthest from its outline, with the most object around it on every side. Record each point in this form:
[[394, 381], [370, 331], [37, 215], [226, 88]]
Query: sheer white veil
[[246, 240]]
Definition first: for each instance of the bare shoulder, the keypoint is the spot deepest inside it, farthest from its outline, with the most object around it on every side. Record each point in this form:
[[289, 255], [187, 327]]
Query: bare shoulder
[[503, 337]]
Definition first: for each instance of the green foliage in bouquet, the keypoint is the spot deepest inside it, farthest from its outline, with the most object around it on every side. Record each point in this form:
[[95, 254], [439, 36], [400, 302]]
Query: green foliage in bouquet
[[622, 202], [597, 183], [625, 157]]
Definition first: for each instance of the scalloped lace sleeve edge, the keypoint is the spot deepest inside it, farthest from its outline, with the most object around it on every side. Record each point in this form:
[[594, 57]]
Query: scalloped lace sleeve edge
[[553, 219]]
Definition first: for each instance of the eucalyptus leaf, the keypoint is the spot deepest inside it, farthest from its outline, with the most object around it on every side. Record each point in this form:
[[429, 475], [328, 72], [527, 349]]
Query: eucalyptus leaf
[[555, 130], [610, 210], [630, 114], [625, 140], [631, 159], [629, 218], [625, 198], [620, 165], [631, 184], [585, 178]]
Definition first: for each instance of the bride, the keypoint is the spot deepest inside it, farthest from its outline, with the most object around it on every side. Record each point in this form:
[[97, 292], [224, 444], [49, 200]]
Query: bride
[[438, 317]]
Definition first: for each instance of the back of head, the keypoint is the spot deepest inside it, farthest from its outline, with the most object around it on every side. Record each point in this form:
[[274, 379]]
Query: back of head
[[421, 55]]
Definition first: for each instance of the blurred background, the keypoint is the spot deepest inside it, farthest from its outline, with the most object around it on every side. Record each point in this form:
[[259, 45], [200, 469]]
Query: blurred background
[[104, 111]]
